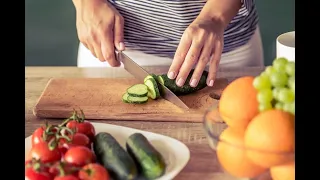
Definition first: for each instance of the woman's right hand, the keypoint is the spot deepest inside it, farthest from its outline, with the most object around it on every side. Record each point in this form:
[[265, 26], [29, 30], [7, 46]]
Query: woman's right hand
[[100, 29]]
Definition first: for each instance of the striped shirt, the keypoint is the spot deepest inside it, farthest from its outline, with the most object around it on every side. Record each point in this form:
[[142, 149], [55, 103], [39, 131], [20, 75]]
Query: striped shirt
[[156, 26]]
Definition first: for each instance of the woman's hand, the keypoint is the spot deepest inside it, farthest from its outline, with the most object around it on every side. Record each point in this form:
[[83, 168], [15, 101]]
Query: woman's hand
[[100, 28], [201, 43]]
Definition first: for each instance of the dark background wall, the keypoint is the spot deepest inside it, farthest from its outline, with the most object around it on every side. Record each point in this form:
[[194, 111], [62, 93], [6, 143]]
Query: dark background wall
[[51, 39]]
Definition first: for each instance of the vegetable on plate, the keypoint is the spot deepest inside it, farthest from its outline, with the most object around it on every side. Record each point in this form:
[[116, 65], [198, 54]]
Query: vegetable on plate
[[150, 162], [114, 157], [80, 125], [66, 152]]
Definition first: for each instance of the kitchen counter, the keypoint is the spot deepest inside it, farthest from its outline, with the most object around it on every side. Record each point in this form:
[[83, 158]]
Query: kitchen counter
[[203, 163]]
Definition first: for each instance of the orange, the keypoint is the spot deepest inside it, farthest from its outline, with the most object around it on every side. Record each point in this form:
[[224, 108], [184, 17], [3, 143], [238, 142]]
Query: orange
[[238, 103], [232, 155], [283, 172], [271, 135]]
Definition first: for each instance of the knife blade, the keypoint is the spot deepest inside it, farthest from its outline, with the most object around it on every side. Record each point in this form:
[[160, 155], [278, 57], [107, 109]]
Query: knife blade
[[139, 73]]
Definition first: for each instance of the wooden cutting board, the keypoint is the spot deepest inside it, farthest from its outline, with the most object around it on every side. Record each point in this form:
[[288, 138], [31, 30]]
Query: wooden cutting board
[[100, 98]]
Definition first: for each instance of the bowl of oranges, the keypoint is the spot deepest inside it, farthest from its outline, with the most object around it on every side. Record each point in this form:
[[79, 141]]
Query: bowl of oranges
[[252, 129]]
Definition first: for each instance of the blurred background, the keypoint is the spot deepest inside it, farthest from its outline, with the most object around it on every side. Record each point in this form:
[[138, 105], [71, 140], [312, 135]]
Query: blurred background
[[51, 37]]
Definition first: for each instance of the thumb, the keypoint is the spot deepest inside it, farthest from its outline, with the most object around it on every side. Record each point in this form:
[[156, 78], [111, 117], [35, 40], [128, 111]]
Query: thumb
[[118, 33]]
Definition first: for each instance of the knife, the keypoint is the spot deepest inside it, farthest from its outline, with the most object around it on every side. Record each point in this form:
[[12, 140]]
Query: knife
[[139, 73]]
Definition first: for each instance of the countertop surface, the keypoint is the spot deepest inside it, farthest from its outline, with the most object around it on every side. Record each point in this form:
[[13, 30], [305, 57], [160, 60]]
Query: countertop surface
[[203, 163]]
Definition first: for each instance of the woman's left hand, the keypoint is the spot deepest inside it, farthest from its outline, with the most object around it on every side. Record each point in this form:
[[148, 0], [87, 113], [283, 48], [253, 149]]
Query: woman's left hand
[[200, 44]]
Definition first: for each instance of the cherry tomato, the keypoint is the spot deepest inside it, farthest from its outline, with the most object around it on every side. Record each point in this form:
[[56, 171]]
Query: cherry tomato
[[93, 171], [79, 156], [56, 168], [66, 177], [37, 164], [37, 135], [77, 139], [84, 127], [36, 171], [63, 148], [27, 162], [31, 174], [43, 152]]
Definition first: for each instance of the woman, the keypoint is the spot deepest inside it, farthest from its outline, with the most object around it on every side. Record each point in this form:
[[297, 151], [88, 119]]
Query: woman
[[184, 33]]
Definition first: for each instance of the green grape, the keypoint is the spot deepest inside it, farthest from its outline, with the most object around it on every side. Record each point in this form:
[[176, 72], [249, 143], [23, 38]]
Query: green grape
[[278, 79], [279, 64], [264, 74], [269, 70], [264, 96], [265, 106], [290, 68], [261, 82], [286, 95], [291, 83], [289, 107], [275, 93], [279, 106]]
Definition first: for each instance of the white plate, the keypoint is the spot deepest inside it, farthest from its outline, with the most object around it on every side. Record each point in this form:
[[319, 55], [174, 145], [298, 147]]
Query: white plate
[[175, 153]]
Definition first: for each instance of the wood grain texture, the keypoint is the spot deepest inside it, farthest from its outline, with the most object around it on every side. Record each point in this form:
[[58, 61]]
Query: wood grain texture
[[101, 98], [203, 163]]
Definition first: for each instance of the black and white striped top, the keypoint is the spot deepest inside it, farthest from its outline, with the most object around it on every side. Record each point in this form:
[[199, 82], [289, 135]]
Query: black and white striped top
[[156, 26]]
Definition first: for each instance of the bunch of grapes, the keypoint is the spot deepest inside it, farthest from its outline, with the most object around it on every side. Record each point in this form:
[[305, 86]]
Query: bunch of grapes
[[276, 86]]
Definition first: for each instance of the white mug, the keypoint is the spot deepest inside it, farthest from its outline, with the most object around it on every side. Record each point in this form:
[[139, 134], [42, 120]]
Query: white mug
[[286, 46]]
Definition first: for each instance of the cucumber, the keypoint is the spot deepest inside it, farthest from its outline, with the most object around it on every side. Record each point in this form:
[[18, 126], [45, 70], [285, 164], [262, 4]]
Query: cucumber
[[138, 90], [153, 90], [155, 77], [125, 97], [149, 161], [113, 157], [186, 88], [150, 76], [137, 100], [134, 100], [160, 79]]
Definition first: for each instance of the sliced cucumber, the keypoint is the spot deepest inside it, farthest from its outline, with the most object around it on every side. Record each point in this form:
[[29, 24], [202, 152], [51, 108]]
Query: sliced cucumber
[[137, 100], [155, 77], [160, 79], [152, 76], [153, 90], [138, 90], [125, 97]]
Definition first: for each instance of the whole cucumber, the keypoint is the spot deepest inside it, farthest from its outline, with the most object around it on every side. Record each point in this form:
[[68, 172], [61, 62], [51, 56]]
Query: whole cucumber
[[114, 158], [186, 88], [150, 162]]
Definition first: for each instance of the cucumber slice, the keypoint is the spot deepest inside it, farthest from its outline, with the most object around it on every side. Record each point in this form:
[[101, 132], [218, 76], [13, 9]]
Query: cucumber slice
[[125, 97], [150, 76], [155, 77], [138, 90], [153, 90], [137, 100], [160, 79]]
